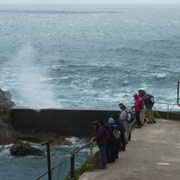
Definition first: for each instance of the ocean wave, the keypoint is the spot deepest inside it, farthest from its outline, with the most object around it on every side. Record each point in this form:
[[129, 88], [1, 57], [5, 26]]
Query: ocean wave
[[5, 150], [161, 75], [57, 67], [125, 83], [127, 50], [76, 141]]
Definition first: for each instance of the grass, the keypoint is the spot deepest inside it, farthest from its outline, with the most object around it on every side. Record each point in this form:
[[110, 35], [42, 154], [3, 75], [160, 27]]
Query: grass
[[156, 115], [78, 172]]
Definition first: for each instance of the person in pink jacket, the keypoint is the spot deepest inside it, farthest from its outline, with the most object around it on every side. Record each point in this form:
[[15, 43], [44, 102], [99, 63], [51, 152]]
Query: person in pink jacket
[[137, 107]]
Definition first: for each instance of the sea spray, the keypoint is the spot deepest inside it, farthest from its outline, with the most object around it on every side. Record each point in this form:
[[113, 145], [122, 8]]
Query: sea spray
[[35, 92]]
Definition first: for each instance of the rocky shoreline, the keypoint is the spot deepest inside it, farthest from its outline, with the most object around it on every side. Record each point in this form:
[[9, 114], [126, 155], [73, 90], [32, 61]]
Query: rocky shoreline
[[10, 136], [7, 133]]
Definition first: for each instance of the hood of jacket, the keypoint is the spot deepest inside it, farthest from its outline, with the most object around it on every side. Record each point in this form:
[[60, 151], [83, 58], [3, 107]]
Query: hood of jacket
[[111, 121], [97, 124], [136, 96]]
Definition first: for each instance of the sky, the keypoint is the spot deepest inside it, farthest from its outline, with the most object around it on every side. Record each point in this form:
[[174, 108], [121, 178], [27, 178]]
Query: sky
[[85, 1]]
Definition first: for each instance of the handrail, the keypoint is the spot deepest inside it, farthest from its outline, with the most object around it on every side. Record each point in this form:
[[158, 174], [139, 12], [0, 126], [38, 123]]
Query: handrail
[[168, 108], [86, 145], [164, 103], [53, 167], [69, 157]]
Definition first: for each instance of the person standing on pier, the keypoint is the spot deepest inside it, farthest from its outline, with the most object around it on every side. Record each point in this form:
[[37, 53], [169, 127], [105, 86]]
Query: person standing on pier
[[137, 107], [149, 102], [143, 107], [101, 142]]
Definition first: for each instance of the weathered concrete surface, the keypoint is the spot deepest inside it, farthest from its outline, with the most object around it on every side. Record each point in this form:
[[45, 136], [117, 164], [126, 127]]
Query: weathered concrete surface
[[153, 154], [64, 122]]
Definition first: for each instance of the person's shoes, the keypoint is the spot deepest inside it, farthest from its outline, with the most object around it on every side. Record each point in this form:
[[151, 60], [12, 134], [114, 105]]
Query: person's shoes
[[110, 161], [149, 122], [102, 167], [137, 126], [154, 122]]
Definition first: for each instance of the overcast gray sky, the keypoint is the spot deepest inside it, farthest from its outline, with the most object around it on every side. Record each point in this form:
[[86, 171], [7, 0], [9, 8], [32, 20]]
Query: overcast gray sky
[[84, 1]]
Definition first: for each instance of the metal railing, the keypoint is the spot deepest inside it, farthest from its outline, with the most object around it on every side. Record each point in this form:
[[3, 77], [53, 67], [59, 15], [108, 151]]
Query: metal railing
[[169, 110], [71, 157]]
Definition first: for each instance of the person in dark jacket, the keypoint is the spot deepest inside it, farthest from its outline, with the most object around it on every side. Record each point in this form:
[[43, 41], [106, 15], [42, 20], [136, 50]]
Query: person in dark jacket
[[149, 102], [117, 141], [101, 142], [117, 120], [110, 150]]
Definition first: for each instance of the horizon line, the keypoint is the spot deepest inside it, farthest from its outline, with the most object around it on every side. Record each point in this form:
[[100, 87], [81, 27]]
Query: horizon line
[[91, 3]]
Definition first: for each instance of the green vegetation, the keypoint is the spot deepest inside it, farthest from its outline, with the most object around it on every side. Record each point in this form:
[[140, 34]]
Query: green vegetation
[[78, 172], [157, 115]]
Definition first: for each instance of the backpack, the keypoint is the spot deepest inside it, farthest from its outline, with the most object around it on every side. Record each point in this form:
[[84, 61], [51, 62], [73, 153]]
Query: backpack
[[116, 133], [149, 100], [107, 134], [142, 104], [131, 116]]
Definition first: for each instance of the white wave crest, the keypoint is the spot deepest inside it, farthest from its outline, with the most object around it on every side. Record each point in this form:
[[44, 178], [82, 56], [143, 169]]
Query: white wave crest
[[5, 150], [161, 75]]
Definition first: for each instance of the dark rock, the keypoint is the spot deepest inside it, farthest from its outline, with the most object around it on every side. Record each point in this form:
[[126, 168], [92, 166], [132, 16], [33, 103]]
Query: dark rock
[[5, 99], [25, 150], [7, 134]]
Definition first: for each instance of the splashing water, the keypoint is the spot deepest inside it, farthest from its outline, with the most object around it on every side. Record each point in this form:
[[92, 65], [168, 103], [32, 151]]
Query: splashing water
[[32, 89]]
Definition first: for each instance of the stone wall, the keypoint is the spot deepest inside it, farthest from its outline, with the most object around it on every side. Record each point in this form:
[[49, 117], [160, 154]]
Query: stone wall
[[63, 121], [93, 159]]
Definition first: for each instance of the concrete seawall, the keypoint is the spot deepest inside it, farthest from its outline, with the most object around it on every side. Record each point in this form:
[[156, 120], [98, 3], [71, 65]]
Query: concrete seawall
[[65, 122], [62, 121]]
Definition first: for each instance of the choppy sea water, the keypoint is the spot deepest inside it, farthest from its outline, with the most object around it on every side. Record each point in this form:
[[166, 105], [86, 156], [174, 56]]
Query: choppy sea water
[[89, 57], [32, 167]]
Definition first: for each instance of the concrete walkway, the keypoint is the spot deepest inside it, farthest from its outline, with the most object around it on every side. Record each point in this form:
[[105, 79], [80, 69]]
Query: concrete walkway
[[152, 154]]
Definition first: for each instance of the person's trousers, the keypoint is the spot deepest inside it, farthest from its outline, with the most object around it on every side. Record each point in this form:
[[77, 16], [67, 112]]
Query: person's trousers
[[142, 116], [103, 155], [128, 128], [138, 121], [123, 141], [117, 147], [150, 115], [110, 152]]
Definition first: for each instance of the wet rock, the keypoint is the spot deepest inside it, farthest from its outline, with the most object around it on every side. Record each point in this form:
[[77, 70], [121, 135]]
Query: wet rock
[[7, 134], [5, 99], [67, 142], [25, 150]]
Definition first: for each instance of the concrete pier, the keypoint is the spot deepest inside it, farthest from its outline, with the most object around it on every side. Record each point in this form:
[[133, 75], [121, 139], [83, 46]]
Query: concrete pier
[[152, 154]]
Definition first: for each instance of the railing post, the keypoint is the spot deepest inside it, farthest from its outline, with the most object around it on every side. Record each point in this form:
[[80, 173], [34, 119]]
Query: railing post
[[178, 93], [167, 111], [48, 159], [91, 149], [72, 167]]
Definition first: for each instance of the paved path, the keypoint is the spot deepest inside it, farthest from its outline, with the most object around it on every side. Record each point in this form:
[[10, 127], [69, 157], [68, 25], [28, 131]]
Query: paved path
[[152, 154]]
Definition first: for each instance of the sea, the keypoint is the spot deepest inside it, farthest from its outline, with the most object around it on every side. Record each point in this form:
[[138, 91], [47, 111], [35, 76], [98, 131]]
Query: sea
[[86, 57]]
